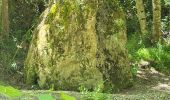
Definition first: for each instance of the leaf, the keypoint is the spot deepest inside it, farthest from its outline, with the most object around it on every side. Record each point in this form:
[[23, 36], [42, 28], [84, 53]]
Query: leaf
[[66, 97], [45, 97], [9, 91]]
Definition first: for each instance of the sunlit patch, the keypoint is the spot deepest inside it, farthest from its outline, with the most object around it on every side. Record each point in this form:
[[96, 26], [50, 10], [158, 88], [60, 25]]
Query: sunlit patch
[[162, 86]]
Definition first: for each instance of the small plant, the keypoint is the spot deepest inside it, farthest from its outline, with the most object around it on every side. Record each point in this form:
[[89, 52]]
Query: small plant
[[94, 95], [134, 69]]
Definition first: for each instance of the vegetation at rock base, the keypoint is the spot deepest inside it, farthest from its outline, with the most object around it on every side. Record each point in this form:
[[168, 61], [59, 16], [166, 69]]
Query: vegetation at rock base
[[84, 49]]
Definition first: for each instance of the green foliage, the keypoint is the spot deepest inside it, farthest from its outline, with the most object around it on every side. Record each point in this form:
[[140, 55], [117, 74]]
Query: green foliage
[[94, 95], [167, 2], [7, 49], [9, 91], [143, 53], [12, 55], [53, 9], [134, 43], [158, 56], [11, 63], [66, 97], [134, 69], [132, 20], [45, 97]]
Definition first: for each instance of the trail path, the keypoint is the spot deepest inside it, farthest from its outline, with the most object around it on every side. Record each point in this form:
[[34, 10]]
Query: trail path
[[149, 85]]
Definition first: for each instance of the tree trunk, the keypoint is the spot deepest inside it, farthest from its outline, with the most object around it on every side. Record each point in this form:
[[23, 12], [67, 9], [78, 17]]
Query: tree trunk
[[0, 18], [141, 16], [156, 31], [169, 25], [169, 19], [5, 19], [79, 44]]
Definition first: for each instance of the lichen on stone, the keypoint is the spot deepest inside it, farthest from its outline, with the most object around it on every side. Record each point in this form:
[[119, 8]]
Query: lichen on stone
[[79, 44]]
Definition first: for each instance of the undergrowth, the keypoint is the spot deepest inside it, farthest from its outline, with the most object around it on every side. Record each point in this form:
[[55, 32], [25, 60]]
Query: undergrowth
[[12, 55], [158, 55], [11, 64]]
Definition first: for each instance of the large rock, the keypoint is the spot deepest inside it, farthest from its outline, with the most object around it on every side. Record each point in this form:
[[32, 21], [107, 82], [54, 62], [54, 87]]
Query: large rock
[[79, 44]]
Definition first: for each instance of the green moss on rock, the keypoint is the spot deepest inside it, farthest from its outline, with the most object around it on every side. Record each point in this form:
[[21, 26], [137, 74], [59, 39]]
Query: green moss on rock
[[79, 44]]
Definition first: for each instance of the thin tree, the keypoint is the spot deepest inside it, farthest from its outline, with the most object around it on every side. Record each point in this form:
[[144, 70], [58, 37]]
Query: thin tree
[[0, 17], [169, 20], [141, 16], [5, 19], [156, 29], [169, 25]]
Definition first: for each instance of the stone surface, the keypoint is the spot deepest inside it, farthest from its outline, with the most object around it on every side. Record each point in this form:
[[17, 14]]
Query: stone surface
[[79, 44]]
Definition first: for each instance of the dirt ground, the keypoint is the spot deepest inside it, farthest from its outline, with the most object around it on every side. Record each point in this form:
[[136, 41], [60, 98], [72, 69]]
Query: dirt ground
[[149, 85]]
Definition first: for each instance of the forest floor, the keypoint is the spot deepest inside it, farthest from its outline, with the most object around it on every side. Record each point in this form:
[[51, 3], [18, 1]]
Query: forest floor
[[149, 85]]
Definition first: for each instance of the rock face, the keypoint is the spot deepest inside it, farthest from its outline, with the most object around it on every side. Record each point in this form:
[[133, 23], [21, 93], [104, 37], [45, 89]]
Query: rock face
[[79, 44]]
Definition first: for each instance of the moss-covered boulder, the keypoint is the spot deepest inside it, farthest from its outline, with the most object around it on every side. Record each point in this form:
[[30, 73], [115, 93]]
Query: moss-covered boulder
[[79, 44]]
